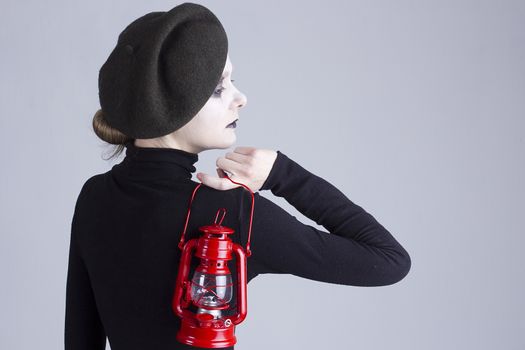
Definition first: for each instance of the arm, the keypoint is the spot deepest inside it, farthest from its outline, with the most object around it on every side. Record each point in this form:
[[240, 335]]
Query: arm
[[357, 250], [83, 328]]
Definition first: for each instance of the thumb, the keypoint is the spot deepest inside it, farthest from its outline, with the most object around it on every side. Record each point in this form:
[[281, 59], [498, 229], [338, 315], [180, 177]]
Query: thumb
[[216, 182]]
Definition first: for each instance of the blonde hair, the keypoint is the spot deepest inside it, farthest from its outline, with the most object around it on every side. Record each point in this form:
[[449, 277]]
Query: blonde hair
[[109, 134]]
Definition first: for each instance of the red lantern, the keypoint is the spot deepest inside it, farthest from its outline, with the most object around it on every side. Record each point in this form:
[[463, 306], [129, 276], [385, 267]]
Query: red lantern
[[211, 287]]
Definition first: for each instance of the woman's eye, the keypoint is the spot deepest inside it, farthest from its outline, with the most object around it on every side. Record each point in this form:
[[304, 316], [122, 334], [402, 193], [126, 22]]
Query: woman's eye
[[221, 89]]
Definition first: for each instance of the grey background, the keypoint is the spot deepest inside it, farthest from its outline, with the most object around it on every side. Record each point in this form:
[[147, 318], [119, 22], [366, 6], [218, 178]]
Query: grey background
[[414, 109]]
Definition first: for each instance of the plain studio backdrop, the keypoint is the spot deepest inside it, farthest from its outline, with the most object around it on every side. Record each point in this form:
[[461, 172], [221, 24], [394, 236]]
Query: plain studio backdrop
[[414, 109]]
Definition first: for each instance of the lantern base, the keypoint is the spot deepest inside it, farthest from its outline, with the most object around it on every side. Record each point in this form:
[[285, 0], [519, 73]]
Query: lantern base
[[206, 337]]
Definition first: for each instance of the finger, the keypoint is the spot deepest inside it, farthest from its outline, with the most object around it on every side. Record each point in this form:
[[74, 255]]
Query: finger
[[215, 182], [244, 150], [221, 173], [229, 165], [238, 157]]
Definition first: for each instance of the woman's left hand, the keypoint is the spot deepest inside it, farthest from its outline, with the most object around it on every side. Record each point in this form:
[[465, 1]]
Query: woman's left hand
[[247, 165]]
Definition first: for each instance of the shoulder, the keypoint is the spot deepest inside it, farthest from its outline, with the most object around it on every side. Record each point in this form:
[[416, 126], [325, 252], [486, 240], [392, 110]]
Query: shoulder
[[90, 183], [210, 199], [233, 194], [87, 188]]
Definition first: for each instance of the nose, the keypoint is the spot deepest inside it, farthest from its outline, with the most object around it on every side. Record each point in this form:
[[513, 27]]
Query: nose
[[241, 100]]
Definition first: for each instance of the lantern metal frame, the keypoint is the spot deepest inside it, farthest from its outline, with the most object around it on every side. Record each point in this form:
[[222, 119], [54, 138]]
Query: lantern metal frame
[[207, 328]]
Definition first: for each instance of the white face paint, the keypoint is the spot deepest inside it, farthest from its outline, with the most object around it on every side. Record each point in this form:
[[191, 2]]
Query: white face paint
[[207, 130]]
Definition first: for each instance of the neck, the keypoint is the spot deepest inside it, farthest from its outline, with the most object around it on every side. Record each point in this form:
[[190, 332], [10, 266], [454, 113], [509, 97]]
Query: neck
[[151, 163], [165, 142]]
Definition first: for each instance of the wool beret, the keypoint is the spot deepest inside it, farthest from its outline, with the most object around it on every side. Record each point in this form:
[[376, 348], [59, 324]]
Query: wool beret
[[163, 69]]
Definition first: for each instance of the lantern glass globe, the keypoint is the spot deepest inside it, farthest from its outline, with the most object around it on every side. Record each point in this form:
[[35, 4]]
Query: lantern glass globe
[[211, 290]]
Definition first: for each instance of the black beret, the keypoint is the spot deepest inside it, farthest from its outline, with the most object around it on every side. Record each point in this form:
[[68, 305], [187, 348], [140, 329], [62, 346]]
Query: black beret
[[164, 68]]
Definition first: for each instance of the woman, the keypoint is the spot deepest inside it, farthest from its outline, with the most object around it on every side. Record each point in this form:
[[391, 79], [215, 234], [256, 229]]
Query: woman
[[166, 94]]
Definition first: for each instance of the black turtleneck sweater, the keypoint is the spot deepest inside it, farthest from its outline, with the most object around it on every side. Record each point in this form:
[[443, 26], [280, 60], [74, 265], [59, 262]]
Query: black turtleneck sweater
[[127, 222]]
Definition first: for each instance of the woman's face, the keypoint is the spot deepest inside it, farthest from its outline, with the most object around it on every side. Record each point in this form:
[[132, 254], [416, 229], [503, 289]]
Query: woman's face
[[208, 129]]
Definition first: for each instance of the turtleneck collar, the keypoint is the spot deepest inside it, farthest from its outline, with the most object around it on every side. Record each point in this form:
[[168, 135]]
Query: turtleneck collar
[[159, 163]]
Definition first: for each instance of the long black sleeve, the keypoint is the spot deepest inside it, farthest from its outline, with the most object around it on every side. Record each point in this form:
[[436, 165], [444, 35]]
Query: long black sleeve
[[124, 255], [83, 328], [357, 250]]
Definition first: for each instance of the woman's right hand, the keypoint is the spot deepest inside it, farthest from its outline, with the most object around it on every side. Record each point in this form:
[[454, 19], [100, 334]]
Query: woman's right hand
[[247, 165]]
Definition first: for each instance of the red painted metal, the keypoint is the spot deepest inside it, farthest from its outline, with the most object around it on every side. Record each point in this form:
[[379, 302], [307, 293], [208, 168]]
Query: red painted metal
[[209, 328]]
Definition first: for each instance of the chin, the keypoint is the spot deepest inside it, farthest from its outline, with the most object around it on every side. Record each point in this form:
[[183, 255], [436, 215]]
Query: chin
[[226, 142], [229, 144]]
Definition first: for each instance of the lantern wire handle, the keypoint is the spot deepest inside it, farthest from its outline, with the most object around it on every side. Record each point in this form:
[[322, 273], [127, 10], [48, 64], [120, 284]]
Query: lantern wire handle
[[218, 211], [181, 242], [248, 250]]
